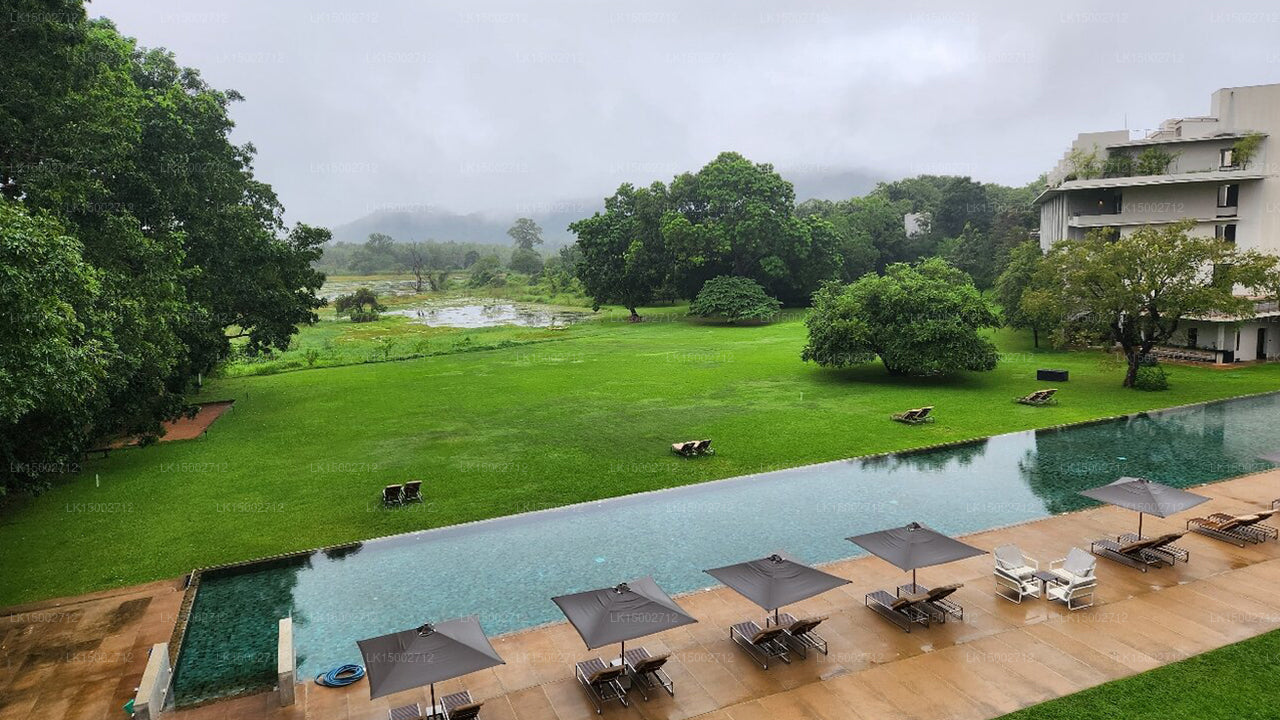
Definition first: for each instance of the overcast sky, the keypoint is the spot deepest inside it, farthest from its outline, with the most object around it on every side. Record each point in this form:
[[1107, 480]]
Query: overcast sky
[[481, 105]]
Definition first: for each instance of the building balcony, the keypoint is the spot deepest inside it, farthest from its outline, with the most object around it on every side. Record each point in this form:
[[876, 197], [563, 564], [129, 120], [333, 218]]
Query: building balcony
[[1208, 176], [1089, 222]]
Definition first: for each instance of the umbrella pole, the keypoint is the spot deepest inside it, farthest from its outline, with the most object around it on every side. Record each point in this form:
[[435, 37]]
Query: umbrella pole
[[433, 699], [913, 580], [622, 654], [775, 617], [1139, 525]]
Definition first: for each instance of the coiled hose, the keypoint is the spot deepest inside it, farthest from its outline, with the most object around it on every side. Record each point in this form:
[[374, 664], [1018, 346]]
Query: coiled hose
[[340, 676]]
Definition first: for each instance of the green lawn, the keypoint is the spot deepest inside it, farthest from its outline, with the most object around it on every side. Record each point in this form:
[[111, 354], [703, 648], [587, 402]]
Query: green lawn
[[1231, 683], [587, 414]]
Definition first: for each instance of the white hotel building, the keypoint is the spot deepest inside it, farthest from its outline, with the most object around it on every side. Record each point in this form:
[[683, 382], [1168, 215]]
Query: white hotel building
[[1205, 182]]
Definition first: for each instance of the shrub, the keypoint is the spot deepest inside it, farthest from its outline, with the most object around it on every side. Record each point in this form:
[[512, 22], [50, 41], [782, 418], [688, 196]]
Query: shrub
[[361, 305], [485, 272], [1152, 378], [525, 261], [734, 298], [919, 320]]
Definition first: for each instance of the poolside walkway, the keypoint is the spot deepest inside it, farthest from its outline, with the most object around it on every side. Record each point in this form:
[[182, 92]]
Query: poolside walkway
[[1002, 657]]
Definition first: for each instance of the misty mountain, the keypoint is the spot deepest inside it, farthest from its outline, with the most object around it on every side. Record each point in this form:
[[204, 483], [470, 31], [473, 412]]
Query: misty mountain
[[830, 183], [430, 223], [427, 223]]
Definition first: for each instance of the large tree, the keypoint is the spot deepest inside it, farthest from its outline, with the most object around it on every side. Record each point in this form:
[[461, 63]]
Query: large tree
[[1139, 287], [735, 217], [129, 154], [623, 257], [918, 319], [526, 233], [1020, 305]]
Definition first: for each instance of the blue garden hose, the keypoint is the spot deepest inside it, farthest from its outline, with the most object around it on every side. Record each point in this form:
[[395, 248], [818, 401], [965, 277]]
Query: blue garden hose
[[340, 676]]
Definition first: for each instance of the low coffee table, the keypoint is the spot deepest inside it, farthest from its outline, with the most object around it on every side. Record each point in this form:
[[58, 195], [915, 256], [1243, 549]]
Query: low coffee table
[[1045, 577]]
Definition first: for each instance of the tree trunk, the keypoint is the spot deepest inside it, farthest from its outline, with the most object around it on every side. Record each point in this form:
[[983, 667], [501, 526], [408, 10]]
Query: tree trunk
[[635, 317], [1131, 357], [1035, 337]]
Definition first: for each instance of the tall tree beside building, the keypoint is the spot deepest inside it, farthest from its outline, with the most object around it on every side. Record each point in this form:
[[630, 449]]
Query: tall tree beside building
[[1139, 287]]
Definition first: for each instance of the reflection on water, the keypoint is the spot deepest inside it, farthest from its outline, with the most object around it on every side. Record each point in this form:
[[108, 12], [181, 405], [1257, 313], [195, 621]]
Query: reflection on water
[[505, 570], [478, 314]]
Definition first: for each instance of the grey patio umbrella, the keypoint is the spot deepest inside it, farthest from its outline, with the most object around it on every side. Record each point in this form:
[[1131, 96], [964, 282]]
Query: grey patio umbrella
[[624, 612], [914, 546], [425, 656], [1145, 496], [774, 581]]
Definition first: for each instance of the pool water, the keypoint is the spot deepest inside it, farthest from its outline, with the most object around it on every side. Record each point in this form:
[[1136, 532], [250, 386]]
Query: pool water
[[506, 570]]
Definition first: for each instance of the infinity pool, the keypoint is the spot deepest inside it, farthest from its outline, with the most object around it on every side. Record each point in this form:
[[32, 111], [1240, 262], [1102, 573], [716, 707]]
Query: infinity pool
[[506, 570]]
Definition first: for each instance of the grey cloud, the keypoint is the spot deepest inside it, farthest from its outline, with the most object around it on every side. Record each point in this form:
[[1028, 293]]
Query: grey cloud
[[488, 106]]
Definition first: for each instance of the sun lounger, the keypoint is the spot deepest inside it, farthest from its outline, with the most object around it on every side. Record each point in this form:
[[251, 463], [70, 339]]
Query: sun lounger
[[412, 491], [602, 683], [1039, 397], [763, 644], [916, 416], [393, 495], [1236, 529], [647, 673], [800, 635], [901, 611], [412, 711], [460, 706], [691, 448], [939, 599], [1014, 573], [1141, 553]]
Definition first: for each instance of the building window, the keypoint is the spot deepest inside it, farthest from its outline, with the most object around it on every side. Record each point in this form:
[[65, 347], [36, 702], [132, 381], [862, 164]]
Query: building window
[[1193, 337], [1226, 232], [1228, 195], [1227, 158]]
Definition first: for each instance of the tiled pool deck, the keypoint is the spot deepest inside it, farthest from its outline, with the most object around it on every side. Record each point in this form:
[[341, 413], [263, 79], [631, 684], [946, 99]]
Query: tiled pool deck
[[80, 657]]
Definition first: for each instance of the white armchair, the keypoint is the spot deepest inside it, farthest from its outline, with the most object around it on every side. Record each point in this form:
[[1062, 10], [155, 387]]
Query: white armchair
[[1014, 573], [1075, 579]]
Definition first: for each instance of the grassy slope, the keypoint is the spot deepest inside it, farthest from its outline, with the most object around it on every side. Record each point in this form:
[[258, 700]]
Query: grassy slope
[[1230, 683], [300, 461]]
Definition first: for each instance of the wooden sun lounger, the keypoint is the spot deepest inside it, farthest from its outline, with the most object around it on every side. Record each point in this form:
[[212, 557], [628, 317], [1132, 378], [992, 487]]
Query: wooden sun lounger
[[1039, 397], [915, 416], [901, 611], [935, 601], [800, 634], [460, 706], [692, 448], [393, 495], [602, 682], [1141, 553], [762, 644], [647, 673], [1239, 530], [412, 491]]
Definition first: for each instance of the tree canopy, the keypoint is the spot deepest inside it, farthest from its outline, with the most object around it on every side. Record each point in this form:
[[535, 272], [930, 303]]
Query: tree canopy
[[1020, 306], [526, 233], [116, 154], [918, 319]]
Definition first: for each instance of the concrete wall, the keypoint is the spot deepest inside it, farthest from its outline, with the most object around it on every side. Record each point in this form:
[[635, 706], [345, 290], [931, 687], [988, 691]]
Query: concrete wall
[[149, 700], [286, 663]]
